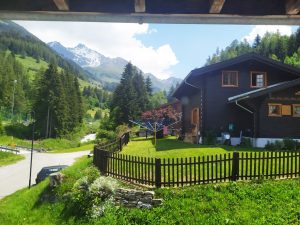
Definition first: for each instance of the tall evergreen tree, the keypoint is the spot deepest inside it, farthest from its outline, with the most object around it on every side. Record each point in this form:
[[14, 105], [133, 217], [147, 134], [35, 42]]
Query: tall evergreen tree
[[149, 86]]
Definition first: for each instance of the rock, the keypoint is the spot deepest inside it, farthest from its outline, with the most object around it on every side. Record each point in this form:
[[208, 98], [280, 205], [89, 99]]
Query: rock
[[55, 179], [146, 200], [151, 193], [157, 202]]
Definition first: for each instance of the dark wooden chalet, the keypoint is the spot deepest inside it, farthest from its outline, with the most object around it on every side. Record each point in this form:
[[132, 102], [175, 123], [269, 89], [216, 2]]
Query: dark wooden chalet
[[249, 95]]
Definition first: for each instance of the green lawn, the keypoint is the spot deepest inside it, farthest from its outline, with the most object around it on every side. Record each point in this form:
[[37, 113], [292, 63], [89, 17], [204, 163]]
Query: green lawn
[[53, 145], [264, 202], [7, 158], [172, 148]]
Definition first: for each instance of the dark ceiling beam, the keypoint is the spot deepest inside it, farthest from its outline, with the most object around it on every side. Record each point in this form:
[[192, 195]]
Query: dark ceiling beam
[[292, 7], [62, 5], [151, 18], [140, 6], [216, 6]]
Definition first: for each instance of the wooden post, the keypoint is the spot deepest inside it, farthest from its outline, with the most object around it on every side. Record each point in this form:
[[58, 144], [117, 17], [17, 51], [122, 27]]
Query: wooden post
[[235, 166], [120, 144], [157, 173], [155, 134]]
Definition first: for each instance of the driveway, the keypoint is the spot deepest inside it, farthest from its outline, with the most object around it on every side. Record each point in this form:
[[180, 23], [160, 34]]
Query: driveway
[[16, 176]]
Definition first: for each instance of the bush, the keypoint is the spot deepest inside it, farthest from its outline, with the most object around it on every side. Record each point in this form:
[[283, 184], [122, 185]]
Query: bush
[[89, 198], [286, 145], [98, 115], [19, 130], [246, 142], [121, 129], [105, 134], [210, 138]]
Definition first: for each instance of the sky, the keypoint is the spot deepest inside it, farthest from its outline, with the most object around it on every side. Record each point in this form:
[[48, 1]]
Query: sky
[[161, 49]]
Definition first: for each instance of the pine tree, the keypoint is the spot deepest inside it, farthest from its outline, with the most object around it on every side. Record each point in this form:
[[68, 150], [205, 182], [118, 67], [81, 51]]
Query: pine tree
[[257, 41], [149, 86]]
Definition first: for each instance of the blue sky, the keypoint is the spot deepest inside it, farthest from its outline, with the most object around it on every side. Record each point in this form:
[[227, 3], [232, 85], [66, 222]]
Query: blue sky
[[161, 49], [193, 44]]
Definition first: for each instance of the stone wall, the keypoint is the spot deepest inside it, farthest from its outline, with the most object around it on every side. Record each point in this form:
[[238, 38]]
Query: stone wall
[[136, 198]]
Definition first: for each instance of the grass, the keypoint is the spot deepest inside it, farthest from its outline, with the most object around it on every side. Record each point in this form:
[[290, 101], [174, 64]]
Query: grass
[[7, 158], [172, 148], [53, 145], [265, 202]]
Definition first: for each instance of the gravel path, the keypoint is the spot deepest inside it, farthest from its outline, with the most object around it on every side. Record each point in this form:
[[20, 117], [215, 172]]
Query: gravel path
[[16, 176]]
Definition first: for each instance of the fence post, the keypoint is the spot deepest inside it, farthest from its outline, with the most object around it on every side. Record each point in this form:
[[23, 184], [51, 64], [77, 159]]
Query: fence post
[[120, 143], [157, 173], [235, 166]]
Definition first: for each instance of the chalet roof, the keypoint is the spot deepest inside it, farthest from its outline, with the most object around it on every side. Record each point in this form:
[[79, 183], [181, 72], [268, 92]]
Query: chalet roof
[[182, 88], [155, 11], [263, 91]]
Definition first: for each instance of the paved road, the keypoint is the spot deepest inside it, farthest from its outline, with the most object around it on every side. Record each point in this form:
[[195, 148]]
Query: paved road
[[16, 176]]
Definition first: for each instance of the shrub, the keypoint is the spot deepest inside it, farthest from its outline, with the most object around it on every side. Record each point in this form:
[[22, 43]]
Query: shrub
[[290, 144], [210, 138], [286, 145], [246, 142], [19, 130], [105, 134], [121, 129], [98, 115], [90, 198]]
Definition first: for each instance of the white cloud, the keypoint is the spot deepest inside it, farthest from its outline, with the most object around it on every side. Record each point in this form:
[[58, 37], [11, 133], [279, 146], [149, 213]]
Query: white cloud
[[110, 39], [261, 30]]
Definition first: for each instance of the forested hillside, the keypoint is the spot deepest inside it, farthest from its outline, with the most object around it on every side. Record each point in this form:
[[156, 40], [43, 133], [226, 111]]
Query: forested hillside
[[34, 78], [274, 45]]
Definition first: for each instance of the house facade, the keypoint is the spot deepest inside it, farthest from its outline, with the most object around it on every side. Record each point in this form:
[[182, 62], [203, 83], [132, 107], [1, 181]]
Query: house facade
[[250, 95]]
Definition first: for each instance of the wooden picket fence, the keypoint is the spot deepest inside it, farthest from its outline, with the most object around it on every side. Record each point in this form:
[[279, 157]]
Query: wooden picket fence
[[198, 170], [116, 145]]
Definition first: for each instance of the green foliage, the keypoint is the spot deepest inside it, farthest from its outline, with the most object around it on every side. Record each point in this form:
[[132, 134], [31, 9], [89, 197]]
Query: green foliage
[[285, 145], [106, 135], [19, 130], [58, 106], [274, 45], [246, 142], [130, 97], [210, 138], [158, 99], [1, 127], [121, 129], [98, 115], [7, 158]]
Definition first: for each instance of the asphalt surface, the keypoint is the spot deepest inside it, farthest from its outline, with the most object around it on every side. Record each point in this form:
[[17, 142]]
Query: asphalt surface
[[16, 176]]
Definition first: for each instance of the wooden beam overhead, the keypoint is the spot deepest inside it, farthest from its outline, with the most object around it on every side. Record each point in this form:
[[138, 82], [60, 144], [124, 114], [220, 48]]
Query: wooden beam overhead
[[216, 6], [140, 6], [292, 7], [62, 5]]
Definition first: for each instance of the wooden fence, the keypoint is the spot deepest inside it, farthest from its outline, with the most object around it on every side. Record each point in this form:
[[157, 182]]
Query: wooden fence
[[115, 145], [197, 170]]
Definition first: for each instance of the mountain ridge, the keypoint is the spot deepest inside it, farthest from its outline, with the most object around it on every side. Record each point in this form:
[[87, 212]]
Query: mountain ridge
[[104, 69]]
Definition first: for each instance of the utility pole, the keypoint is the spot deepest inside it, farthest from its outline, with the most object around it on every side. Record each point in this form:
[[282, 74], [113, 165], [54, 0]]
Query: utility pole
[[13, 99], [32, 139]]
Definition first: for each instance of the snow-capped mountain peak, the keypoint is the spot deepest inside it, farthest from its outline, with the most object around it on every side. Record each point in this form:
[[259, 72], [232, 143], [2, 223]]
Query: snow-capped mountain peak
[[86, 57]]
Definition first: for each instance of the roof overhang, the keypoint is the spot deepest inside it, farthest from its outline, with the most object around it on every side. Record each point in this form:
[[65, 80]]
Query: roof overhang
[[264, 91], [156, 11]]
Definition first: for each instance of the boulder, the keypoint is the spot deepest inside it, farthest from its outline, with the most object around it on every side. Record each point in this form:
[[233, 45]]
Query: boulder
[[55, 179]]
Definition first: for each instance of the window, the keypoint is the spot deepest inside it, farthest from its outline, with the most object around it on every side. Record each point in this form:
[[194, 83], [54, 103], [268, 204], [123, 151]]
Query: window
[[195, 116], [286, 110], [230, 79], [274, 109], [296, 110], [258, 79]]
